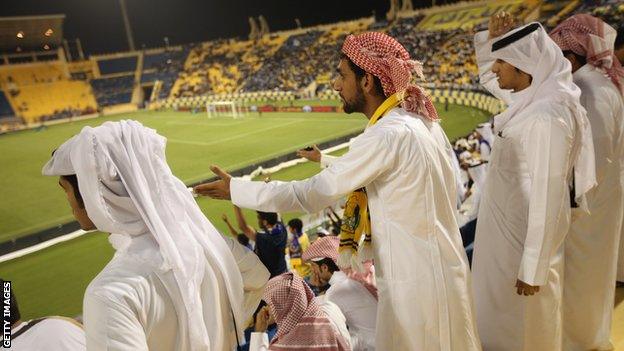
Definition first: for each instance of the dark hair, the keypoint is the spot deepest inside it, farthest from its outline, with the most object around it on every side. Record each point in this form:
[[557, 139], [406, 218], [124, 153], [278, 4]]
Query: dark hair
[[359, 73], [619, 40], [581, 59], [297, 224], [242, 239], [15, 313], [270, 217], [331, 265], [73, 181]]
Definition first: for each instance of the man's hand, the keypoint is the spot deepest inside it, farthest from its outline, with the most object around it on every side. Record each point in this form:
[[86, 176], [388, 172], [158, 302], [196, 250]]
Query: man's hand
[[313, 155], [500, 23], [315, 280], [262, 320], [219, 189], [525, 289]]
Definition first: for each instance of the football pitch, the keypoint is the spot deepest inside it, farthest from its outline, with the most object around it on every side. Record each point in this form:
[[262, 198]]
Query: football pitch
[[52, 281]]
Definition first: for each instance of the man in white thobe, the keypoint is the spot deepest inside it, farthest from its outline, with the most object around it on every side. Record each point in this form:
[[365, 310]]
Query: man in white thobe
[[174, 283], [543, 141], [421, 267], [591, 248]]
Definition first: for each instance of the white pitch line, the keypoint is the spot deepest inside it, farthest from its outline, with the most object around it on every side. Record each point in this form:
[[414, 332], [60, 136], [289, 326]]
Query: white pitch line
[[234, 137], [41, 246]]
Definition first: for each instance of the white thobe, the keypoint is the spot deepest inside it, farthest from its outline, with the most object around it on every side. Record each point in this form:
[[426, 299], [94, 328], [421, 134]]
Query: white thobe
[[129, 306], [51, 334], [359, 307], [421, 267], [591, 248], [523, 219]]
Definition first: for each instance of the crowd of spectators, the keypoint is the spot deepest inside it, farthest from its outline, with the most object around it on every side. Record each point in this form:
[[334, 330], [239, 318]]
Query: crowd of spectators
[[290, 68]]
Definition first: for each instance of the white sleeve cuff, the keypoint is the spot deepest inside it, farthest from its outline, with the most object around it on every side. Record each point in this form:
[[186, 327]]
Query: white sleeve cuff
[[259, 341], [327, 160]]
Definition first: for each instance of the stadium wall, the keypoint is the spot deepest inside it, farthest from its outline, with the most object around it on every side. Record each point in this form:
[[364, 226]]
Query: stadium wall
[[479, 100]]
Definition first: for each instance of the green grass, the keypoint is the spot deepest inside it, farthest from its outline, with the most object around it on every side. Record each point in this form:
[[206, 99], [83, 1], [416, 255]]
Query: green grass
[[32, 202], [52, 281]]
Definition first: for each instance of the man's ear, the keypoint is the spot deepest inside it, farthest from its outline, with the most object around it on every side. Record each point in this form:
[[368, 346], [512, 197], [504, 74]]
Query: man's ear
[[368, 83], [323, 268]]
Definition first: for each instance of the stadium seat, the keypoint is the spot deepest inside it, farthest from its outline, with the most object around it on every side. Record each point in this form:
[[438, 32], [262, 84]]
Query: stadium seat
[[51, 100], [113, 91]]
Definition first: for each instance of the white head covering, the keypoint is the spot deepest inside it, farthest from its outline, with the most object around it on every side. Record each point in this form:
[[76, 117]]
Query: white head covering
[[538, 55], [129, 190]]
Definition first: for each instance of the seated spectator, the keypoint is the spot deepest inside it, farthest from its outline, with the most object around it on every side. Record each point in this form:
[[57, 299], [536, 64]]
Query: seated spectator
[[270, 240], [357, 299], [52, 333], [302, 323], [298, 243], [619, 45]]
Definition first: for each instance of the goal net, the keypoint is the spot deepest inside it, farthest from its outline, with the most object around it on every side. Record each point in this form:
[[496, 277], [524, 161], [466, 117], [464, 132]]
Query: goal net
[[225, 109]]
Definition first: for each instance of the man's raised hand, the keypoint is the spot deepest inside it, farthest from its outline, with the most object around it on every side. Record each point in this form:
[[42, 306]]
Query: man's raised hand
[[219, 189], [500, 23]]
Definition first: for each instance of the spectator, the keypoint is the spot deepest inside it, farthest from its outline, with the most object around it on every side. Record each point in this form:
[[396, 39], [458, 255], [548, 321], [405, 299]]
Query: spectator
[[298, 243], [46, 333], [270, 240], [356, 300], [302, 323]]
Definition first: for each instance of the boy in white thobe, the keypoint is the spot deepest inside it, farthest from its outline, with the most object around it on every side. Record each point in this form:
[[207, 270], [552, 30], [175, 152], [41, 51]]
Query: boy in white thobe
[[174, 282], [542, 139]]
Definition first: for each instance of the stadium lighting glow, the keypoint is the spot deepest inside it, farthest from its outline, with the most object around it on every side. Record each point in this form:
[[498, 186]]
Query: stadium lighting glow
[[48, 32], [20, 35]]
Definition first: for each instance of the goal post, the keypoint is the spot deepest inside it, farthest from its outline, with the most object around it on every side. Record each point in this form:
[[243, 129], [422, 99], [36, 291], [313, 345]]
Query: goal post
[[225, 109]]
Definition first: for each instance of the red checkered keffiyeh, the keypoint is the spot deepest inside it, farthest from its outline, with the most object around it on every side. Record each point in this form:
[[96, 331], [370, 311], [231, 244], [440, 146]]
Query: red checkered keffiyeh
[[327, 247], [386, 59], [301, 324], [590, 37]]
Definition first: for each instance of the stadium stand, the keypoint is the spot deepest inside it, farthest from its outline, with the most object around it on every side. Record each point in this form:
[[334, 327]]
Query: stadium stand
[[113, 91], [163, 66], [117, 65], [54, 100], [5, 106], [220, 66], [300, 61], [32, 73]]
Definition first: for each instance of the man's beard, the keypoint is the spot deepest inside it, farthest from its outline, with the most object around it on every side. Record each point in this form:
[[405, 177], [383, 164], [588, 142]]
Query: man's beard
[[357, 105]]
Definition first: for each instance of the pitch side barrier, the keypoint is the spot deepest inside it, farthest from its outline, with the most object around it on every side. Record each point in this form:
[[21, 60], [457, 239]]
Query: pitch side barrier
[[37, 241]]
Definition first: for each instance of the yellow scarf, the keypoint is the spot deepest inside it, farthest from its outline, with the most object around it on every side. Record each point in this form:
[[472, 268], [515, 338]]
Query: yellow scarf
[[356, 219]]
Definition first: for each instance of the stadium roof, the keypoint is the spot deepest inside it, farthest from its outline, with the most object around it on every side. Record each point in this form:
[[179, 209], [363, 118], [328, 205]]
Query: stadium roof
[[30, 33]]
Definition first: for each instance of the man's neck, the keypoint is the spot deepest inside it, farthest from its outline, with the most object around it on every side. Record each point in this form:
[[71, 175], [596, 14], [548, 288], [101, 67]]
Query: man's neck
[[521, 87], [372, 105]]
